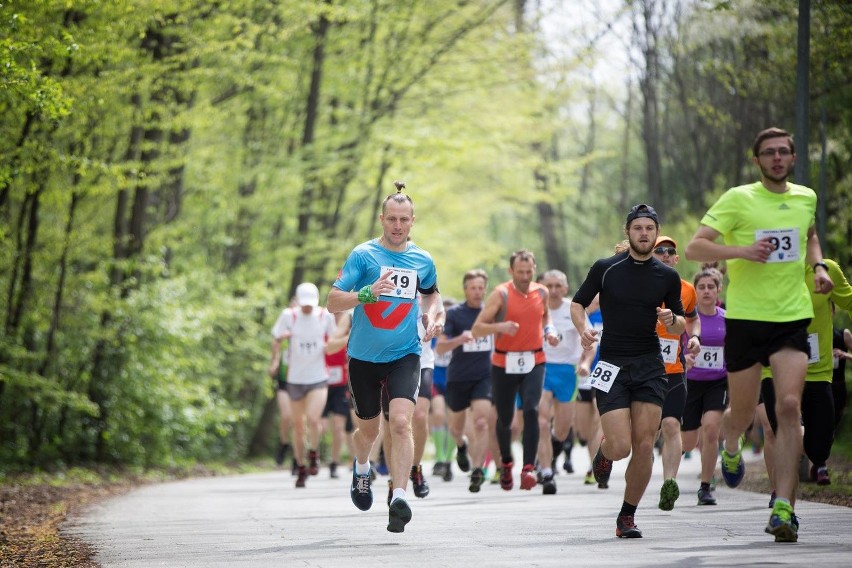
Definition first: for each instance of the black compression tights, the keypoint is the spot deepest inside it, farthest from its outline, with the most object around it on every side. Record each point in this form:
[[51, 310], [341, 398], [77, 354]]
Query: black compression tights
[[817, 417], [504, 388]]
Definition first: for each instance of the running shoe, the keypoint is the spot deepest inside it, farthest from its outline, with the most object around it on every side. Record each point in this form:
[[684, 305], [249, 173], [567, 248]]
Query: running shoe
[[669, 493], [438, 469], [421, 487], [602, 469], [772, 500], [506, 482], [528, 480], [313, 459], [822, 477], [568, 466], [626, 528], [548, 485], [332, 470], [538, 475], [360, 491], [498, 473], [462, 458], [733, 467], [303, 476], [781, 523], [705, 497], [477, 478], [399, 514], [281, 453], [448, 471]]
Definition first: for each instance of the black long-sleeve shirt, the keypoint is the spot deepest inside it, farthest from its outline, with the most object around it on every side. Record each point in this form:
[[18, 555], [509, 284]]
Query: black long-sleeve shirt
[[631, 290]]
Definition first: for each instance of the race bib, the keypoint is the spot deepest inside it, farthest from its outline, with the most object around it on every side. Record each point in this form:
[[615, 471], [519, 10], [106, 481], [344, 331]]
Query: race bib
[[335, 375], [405, 281], [443, 360], [813, 344], [519, 362], [785, 241], [478, 344], [710, 357], [603, 376], [668, 348], [307, 348]]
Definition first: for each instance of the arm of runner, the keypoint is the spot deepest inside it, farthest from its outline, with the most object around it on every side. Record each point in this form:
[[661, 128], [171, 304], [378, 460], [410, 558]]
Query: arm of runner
[[433, 308], [485, 325], [587, 334], [813, 256], [338, 300], [275, 364], [675, 324], [551, 335], [693, 329], [340, 337], [446, 343], [703, 247]]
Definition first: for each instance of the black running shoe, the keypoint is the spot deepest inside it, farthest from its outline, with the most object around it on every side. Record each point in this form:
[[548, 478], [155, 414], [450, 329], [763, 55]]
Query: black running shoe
[[602, 469], [390, 491], [332, 470], [462, 458], [568, 466], [477, 478], [626, 528], [360, 490], [281, 453], [705, 497], [399, 514], [303, 476], [313, 459], [448, 471], [421, 487], [548, 485]]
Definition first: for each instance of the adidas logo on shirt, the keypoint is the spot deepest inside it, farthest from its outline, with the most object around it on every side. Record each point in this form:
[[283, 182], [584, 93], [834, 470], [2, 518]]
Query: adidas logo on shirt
[[783, 206]]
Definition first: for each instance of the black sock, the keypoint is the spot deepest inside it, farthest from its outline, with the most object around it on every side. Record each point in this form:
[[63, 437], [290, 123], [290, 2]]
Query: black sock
[[627, 510], [556, 446], [705, 486]]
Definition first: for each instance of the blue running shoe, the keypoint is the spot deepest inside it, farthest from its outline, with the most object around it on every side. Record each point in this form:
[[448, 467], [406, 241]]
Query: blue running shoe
[[399, 515], [733, 467], [783, 524], [360, 491]]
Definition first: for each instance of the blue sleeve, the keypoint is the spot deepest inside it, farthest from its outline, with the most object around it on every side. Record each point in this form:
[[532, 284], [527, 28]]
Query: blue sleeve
[[351, 274]]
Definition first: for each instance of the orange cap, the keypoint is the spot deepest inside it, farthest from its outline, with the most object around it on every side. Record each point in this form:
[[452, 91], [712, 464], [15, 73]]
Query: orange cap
[[665, 239]]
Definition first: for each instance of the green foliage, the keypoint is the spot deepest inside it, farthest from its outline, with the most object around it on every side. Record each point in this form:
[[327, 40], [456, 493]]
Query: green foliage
[[167, 175]]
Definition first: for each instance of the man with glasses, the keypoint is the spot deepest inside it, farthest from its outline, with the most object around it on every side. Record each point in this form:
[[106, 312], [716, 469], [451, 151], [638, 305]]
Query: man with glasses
[[630, 375], [665, 250], [768, 236]]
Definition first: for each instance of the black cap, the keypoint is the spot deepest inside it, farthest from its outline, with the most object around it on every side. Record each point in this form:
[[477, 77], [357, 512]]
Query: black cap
[[642, 210]]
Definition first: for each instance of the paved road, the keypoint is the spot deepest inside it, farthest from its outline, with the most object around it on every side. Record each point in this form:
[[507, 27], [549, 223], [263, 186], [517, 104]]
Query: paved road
[[261, 521]]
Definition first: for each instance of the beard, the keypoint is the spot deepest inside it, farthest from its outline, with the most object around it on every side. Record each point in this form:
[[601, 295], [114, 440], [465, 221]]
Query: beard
[[641, 249]]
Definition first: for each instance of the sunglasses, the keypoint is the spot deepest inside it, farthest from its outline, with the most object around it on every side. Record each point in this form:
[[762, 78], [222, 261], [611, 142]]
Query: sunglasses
[[671, 251]]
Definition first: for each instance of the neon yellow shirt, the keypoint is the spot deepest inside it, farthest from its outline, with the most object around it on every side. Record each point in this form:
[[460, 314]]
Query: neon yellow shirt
[[820, 326], [774, 291]]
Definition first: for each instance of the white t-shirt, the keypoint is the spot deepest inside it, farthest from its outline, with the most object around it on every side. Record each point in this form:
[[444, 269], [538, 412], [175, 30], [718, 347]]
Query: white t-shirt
[[305, 354], [427, 354], [568, 350]]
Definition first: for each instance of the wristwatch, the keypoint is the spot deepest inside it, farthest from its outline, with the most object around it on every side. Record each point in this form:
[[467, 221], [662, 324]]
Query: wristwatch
[[824, 265]]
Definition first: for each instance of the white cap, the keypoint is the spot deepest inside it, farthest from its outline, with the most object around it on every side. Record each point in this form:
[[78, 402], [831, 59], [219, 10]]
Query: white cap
[[307, 294]]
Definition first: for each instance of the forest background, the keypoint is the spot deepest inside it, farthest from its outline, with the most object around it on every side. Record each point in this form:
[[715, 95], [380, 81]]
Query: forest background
[[170, 170]]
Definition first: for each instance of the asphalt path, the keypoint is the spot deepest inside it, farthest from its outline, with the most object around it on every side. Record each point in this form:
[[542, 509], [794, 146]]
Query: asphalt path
[[262, 520]]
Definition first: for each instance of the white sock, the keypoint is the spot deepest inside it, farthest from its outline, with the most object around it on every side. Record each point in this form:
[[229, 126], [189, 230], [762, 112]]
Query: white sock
[[546, 472], [362, 468], [398, 494]]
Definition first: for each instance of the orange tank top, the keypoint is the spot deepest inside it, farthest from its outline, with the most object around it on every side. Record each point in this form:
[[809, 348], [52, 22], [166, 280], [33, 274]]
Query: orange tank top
[[670, 344], [528, 311]]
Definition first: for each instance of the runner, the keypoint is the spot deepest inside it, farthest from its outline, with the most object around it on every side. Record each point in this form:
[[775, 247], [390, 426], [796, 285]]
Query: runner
[[516, 314], [566, 363], [469, 377], [769, 239], [665, 250], [438, 410], [706, 383], [630, 375], [587, 419], [380, 279], [306, 330], [338, 409]]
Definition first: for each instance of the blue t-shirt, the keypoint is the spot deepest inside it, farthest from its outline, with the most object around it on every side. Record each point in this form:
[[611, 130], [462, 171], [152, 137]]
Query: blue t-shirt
[[386, 330], [467, 365]]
